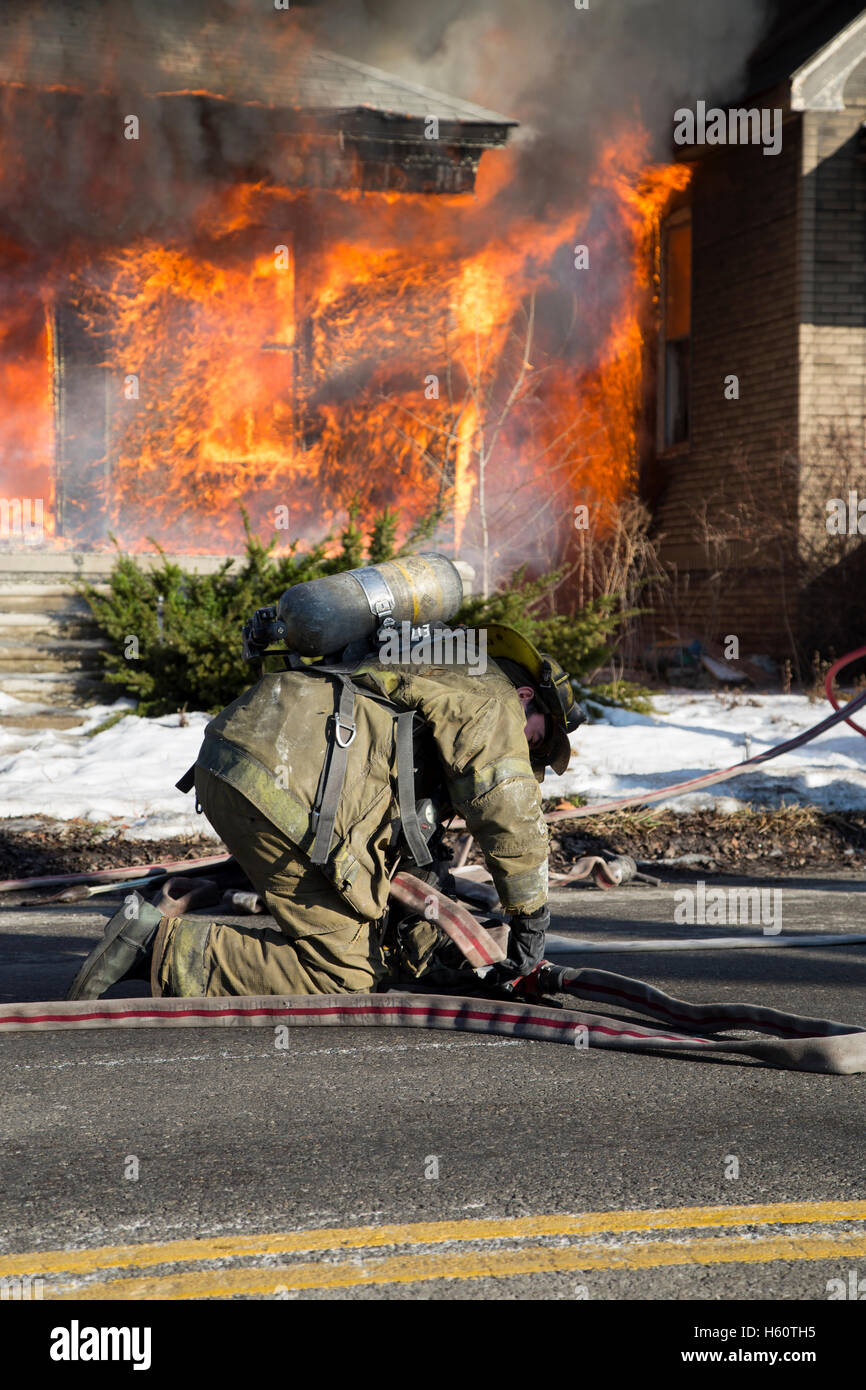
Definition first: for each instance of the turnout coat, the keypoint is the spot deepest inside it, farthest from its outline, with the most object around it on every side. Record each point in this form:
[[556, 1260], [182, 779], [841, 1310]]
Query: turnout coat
[[271, 744]]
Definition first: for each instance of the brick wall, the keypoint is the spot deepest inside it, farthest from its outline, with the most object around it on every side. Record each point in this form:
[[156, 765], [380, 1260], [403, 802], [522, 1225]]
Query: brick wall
[[832, 349], [740, 453], [833, 308]]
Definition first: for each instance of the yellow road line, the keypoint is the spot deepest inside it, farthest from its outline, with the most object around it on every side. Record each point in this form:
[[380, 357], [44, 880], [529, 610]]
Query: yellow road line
[[423, 1233], [411, 1269]]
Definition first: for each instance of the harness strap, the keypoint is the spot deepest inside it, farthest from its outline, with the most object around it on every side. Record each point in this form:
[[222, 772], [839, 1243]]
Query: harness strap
[[333, 773], [406, 790], [187, 781], [342, 736]]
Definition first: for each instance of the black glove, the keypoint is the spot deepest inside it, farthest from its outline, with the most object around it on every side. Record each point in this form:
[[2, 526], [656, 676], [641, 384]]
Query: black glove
[[526, 942]]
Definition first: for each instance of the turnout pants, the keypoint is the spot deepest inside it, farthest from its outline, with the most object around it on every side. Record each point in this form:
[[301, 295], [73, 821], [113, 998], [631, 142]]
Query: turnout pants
[[317, 947]]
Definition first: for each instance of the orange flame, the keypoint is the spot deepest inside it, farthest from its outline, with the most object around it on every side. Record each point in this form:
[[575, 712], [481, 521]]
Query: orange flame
[[300, 348]]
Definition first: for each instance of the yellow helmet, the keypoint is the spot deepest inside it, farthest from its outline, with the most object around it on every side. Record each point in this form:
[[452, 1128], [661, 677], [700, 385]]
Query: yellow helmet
[[507, 645]]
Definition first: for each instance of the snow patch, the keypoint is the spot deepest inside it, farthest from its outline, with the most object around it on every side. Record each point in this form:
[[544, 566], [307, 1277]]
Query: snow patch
[[696, 733], [124, 776]]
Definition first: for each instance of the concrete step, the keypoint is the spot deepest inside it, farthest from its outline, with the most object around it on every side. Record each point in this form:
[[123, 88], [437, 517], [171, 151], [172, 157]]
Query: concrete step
[[39, 667], [61, 689], [21, 608], [46, 719], [34, 597], [25, 645], [54, 566], [14, 601], [26, 589], [53, 614], [58, 655], [49, 628]]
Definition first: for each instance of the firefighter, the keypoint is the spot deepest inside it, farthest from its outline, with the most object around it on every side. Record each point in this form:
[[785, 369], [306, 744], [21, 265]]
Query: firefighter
[[321, 832]]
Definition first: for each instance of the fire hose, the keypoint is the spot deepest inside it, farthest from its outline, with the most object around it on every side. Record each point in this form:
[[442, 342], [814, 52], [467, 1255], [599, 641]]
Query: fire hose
[[828, 685], [795, 1042]]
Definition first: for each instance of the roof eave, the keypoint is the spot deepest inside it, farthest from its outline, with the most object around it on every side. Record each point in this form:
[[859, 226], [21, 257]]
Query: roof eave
[[819, 83]]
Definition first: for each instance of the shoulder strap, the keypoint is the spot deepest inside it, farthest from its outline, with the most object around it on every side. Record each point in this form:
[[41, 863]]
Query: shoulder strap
[[333, 774], [406, 789], [187, 781]]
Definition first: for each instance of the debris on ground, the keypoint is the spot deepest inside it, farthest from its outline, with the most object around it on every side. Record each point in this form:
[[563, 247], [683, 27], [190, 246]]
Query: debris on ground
[[77, 846], [778, 841]]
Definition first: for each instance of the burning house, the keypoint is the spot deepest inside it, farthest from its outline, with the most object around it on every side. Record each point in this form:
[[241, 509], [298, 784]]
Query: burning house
[[243, 273], [184, 357]]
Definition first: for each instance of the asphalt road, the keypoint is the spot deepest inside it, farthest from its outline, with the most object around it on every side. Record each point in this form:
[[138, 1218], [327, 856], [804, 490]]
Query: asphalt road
[[276, 1162]]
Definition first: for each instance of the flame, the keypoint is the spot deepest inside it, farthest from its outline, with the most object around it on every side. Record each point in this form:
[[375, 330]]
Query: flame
[[27, 421], [301, 348]]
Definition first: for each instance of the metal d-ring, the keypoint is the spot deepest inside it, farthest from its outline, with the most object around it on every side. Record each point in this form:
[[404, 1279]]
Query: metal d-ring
[[338, 727]]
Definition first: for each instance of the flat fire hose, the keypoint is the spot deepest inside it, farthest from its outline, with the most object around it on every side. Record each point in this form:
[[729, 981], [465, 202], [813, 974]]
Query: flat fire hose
[[579, 946], [796, 1043]]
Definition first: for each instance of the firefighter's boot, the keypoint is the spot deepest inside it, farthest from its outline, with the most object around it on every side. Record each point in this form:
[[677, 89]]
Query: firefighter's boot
[[124, 951]]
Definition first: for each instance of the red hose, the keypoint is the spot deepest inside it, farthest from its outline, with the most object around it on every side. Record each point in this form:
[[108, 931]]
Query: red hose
[[828, 683]]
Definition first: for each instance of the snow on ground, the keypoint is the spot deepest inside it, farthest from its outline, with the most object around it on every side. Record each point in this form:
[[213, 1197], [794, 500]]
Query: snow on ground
[[124, 776], [695, 732]]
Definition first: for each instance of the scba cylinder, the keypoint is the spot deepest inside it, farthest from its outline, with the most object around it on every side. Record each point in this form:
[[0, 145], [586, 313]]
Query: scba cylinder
[[324, 615]]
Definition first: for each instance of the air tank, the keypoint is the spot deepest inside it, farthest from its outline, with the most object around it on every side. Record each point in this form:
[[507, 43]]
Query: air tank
[[324, 615]]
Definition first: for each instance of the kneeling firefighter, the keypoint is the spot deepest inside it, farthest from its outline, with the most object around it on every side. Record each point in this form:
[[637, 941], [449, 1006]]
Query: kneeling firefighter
[[328, 775]]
